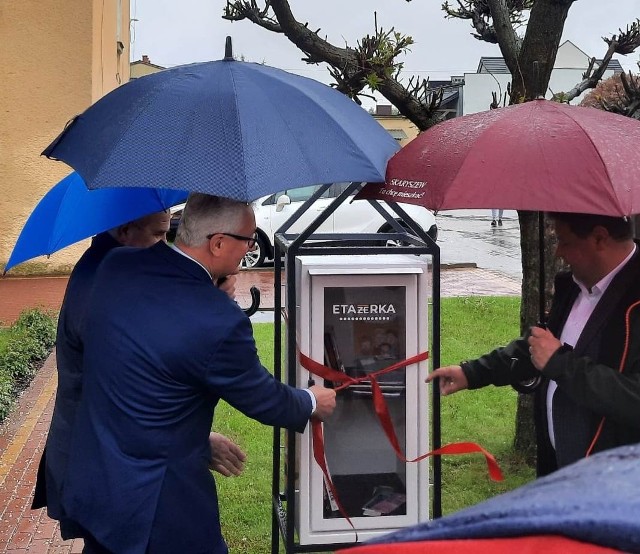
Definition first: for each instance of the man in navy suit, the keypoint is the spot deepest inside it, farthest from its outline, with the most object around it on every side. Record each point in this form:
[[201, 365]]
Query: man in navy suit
[[163, 346], [143, 232]]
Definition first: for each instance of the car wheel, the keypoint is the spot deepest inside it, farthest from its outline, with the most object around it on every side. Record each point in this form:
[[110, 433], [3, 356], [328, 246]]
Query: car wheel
[[391, 242], [256, 257], [432, 232]]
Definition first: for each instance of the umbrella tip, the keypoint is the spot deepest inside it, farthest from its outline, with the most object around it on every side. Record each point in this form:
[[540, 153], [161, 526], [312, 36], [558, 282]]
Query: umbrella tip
[[228, 50]]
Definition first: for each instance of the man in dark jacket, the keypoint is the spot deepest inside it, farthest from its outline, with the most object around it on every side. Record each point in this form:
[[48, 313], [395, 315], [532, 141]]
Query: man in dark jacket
[[589, 354]]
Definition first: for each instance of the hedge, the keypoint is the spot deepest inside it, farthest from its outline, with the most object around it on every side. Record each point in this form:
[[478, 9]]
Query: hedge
[[27, 344]]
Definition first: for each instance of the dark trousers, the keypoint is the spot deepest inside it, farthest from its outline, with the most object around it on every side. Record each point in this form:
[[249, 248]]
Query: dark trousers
[[92, 546]]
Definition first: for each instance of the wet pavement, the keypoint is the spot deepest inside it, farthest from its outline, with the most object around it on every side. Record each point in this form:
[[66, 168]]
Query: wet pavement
[[466, 236]]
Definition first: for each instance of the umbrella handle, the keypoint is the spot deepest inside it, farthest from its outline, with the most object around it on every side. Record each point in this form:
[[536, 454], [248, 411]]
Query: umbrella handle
[[255, 298], [255, 302]]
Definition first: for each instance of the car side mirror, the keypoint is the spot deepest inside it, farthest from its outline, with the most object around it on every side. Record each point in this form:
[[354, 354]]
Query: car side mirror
[[282, 202]]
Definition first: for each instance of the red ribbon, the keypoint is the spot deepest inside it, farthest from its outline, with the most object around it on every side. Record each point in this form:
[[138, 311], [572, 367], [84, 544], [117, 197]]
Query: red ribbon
[[321, 460], [382, 411]]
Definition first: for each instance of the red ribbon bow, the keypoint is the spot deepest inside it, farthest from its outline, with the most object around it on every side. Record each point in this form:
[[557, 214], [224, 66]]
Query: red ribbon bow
[[382, 411]]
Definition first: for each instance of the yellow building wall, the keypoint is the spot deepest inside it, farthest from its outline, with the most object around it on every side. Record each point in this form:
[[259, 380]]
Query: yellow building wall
[[140, 69], [58, 57], [398, 123]]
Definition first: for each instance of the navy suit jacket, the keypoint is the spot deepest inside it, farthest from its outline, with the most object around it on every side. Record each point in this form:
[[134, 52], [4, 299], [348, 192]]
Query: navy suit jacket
[[162, 346], [69, 348]]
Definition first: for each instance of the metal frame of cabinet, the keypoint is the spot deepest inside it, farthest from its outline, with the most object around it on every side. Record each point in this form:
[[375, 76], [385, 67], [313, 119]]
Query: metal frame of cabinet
[[287, 447]]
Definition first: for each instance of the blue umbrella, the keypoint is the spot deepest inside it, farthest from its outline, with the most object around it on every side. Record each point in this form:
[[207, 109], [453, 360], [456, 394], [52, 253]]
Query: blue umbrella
[[70, 212], [228, 128]]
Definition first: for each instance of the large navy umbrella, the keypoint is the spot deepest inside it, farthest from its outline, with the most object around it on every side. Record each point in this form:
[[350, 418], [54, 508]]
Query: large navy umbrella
[[70, 212], [228, 128]]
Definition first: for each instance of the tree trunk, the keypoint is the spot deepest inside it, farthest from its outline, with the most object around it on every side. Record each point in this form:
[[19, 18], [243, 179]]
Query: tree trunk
[[539, 48], [529, 81], [524, 441], [533, 254]]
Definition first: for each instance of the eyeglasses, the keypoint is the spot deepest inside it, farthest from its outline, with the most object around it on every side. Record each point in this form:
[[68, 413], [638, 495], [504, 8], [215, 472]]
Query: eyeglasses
[[251, 241]]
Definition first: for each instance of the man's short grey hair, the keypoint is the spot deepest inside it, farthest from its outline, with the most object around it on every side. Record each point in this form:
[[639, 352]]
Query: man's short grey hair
[[205, 214]]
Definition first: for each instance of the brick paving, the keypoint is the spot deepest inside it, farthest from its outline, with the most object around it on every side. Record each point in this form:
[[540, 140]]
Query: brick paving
[[22, 438], [23, 434]]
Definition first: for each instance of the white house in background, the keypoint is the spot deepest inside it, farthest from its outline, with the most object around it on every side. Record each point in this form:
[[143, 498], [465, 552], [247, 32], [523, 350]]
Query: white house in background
[[492, 76]]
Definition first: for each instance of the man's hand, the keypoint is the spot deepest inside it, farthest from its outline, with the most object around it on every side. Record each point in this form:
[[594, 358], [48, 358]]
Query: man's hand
[[452, 379], [226, 456], [542, 345], [228, 285], [325, 401]]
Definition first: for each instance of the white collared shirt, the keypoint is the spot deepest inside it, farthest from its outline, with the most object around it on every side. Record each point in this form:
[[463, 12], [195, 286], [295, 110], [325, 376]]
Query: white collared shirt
[[581, 311]]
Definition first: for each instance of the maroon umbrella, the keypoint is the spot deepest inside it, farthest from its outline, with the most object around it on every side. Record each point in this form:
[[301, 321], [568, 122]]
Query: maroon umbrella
[[540, 156]]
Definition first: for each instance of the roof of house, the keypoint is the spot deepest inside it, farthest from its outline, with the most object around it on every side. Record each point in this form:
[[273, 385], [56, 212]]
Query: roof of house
[[492, 64], [148, 64], [448, 97], [450, 92]]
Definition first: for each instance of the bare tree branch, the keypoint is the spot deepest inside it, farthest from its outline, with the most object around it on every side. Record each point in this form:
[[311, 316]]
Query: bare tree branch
[[590, 79], [628, 40], [371, 63], [240, 10], [479, 13], [505, 33]]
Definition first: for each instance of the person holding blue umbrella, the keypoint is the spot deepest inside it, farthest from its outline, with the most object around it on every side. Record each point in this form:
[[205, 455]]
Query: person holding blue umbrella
[[164, 346], [227, 457]]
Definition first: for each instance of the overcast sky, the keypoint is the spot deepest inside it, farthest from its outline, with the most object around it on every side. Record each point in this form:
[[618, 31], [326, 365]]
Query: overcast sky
[[174, 32]]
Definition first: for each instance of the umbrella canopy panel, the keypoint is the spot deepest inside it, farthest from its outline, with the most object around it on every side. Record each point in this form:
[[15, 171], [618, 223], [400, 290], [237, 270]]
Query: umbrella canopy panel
[[234, 129], [70, 212], [540, 155]]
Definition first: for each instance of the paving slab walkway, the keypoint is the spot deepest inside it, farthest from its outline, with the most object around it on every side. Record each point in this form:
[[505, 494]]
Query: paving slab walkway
[[23, 434]]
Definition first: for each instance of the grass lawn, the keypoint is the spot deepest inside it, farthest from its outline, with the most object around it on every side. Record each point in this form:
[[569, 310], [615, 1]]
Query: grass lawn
[[470, 327]]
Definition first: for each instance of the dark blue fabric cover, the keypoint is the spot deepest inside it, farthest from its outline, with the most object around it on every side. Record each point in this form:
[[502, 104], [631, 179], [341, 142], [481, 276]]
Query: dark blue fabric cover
[[595, 500]]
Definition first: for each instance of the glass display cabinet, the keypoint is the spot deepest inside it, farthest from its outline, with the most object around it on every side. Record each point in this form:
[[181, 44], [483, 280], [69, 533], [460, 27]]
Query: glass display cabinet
[[356, 303], [358, 315]]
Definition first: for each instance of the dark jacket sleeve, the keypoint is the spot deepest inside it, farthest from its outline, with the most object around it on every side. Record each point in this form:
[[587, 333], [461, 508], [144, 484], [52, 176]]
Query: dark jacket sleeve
[[600, 388], [503, 366], [237, 376], [511, 364]]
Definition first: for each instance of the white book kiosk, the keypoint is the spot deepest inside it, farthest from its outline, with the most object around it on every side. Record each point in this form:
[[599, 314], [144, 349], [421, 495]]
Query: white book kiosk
[[357, 308]]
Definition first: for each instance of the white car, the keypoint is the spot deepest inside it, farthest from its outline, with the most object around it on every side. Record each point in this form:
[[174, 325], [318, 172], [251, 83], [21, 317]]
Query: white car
[[350, 217]]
